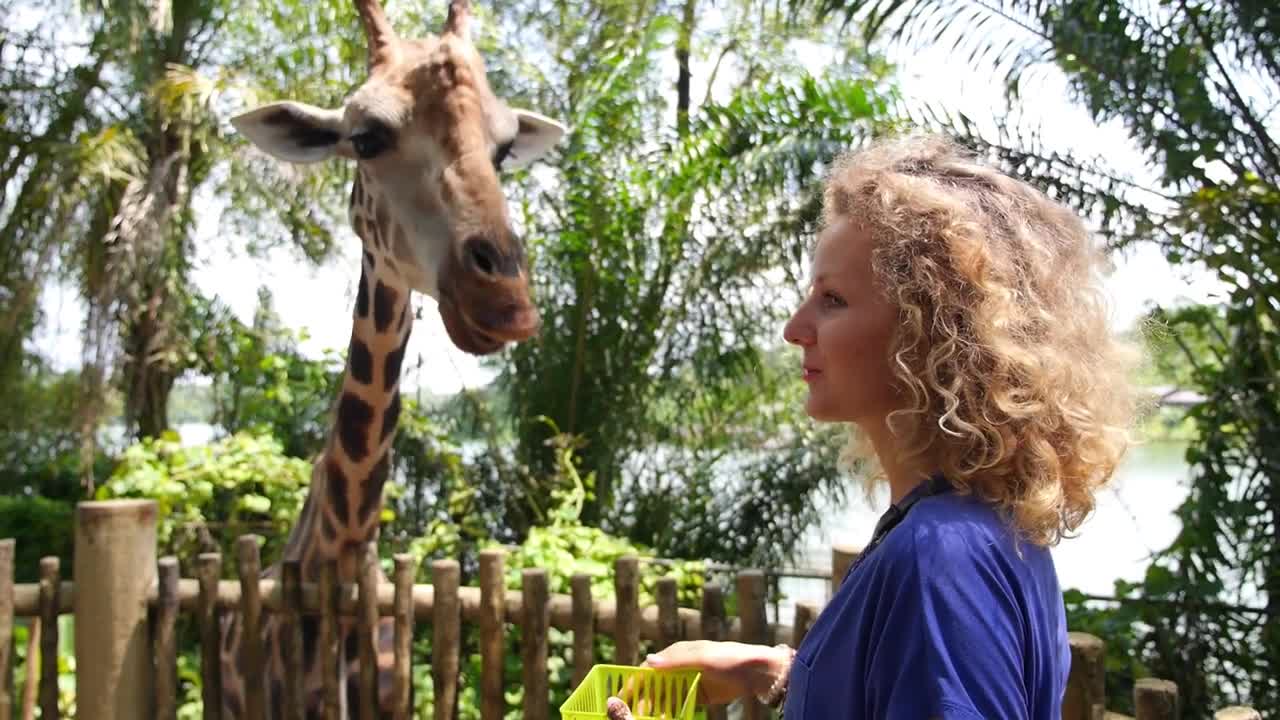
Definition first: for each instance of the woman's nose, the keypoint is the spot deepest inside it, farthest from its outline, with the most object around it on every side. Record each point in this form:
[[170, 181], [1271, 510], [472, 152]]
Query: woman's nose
[[798, 330]]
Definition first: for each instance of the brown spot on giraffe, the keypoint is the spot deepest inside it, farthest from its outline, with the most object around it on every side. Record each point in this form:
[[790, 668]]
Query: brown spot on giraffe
[[354, 419], [336, 482], [426, 133], [384, 305], [361, 361]]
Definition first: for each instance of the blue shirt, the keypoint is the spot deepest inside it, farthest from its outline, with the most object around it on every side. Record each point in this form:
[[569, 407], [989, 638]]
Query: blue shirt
[[950, 616]]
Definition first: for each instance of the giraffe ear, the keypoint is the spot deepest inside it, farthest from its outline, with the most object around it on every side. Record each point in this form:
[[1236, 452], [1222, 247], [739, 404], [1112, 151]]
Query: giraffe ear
[[291, 131], [536, 136]]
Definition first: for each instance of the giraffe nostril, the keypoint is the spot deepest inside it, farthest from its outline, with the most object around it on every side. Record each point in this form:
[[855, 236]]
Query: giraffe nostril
[[483, 254]]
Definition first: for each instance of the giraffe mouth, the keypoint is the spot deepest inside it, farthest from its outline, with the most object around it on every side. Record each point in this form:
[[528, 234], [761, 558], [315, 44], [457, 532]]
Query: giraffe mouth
[[475, 337]]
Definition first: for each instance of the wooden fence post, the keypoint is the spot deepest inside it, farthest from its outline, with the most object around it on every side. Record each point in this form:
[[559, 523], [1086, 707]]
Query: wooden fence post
[[208, 569], [249, 567], [842, 556], [669, 630], [329, 644], [1155, 699], [805, 614], [755, 626], [535, 629], [164, 641], [114, 570], [367, 620], [626, 634], [1086, 685], [405, 570], [294, 681], [50, 589], [713, 628], [584, 629], [6, 628], [493, 613], [1237, 712], [446, 637]]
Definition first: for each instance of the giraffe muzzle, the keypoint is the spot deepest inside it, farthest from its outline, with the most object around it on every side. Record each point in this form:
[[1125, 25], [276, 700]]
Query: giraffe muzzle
[[484, 299]]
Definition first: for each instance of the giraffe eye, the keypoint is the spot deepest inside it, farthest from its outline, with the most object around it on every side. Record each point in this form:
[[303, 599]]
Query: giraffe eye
[[502, 153], [369, 143]]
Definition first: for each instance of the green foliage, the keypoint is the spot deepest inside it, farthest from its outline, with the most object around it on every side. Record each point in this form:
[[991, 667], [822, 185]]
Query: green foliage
[[663, 266], [210, 495], [259, 379], [42, 527], [22, 633]]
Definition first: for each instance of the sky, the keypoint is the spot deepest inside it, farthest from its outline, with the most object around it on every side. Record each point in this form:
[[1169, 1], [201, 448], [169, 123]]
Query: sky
[[319, 300]]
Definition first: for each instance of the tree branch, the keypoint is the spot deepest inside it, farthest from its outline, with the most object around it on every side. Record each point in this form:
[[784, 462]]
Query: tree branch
[[1261, 136]]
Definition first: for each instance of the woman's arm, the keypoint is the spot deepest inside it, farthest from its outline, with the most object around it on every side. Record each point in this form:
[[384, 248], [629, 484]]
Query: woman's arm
[[730, 670]]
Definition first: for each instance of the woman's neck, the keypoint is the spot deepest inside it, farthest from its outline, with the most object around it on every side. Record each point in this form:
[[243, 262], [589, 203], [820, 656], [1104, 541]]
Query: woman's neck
[[903, 473]]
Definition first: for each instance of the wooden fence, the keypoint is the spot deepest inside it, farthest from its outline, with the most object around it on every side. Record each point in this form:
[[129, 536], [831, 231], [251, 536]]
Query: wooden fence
[[126, 605]]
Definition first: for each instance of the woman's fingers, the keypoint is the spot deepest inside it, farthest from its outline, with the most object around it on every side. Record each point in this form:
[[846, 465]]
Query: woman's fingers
[[615, 709]]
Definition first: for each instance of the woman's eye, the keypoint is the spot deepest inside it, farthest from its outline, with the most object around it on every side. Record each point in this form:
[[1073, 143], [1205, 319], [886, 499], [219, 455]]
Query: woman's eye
[[368, 144], [830, 299]]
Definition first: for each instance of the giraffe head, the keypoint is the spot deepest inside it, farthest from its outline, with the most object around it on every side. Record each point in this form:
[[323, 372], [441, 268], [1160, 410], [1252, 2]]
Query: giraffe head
[[428, 137]]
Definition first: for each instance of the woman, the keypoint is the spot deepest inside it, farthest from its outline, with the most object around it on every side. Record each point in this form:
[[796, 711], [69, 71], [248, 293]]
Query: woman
[[956, 322]]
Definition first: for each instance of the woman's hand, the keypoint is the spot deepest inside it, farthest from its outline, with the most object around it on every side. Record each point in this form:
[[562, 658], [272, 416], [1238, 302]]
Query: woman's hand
[[729, 670]]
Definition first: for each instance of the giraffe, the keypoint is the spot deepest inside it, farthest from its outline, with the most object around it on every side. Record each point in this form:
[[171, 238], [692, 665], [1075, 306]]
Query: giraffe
[[428, 138]]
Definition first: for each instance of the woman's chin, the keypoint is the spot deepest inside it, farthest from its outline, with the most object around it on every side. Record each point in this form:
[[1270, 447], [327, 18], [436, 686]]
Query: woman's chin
[[822, 412]]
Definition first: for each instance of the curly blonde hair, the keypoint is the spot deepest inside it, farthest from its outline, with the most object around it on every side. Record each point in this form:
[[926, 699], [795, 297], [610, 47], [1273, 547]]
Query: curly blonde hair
[[1011, 374]]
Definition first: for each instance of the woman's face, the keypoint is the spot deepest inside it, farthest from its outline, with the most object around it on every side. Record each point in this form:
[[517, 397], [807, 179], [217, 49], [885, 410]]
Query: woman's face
[[845, 327]]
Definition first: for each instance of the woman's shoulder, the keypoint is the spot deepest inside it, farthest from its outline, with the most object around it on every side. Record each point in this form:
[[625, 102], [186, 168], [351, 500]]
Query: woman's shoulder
[[953, 529]]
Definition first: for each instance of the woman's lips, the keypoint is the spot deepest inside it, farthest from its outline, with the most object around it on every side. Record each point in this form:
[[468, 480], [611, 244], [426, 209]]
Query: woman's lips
[[810, 374]]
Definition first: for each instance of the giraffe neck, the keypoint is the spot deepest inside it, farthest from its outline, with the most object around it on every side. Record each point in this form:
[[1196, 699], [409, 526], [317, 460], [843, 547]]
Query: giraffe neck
[[345, 500]]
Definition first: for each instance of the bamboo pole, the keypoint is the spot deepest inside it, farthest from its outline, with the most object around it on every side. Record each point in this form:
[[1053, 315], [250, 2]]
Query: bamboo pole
[[534, 640], [446, 643], [492, 646], [165, 641], [115, 568]]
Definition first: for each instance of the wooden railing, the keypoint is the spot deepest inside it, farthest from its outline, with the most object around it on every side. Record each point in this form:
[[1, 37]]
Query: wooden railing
[[127, 605]]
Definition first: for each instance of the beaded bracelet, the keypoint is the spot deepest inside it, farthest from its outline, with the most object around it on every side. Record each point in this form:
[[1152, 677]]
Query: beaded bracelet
[[774, 696]]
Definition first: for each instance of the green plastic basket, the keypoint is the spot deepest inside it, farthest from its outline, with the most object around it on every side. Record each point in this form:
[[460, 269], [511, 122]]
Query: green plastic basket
[[670, 694]]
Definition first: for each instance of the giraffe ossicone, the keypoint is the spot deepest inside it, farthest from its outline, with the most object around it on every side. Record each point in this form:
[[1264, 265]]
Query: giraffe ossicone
[[429, 138]]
